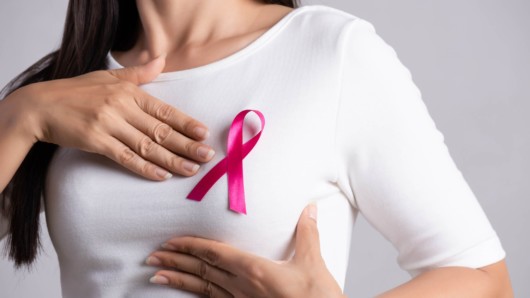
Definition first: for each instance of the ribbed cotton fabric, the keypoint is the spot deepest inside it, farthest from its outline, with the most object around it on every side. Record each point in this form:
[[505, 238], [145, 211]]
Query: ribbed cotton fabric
[[345, 127]]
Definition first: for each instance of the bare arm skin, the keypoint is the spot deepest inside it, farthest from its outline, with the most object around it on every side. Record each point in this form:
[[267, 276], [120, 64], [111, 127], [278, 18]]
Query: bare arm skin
[[16, 138], [489, 281]]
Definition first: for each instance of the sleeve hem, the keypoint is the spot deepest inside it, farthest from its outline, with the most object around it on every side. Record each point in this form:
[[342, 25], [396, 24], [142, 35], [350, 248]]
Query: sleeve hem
[[486, 253]]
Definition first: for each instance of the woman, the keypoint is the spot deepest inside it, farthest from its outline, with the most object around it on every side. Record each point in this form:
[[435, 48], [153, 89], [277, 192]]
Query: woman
[[345, 127]]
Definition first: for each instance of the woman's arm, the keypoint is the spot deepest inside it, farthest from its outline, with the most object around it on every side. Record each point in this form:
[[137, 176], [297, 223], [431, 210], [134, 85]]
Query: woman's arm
[[16, 134], [16, 139], [489, 281], [104, 112]]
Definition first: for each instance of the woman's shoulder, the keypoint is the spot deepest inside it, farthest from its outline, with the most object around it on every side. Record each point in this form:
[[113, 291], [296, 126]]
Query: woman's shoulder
[[323, 22], [331, 32], [325, 13]]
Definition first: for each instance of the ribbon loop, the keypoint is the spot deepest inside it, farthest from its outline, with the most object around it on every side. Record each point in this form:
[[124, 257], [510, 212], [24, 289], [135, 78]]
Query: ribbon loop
[[232, 165]]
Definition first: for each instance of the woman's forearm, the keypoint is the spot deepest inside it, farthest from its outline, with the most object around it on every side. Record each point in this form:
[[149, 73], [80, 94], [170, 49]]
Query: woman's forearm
[[16, 137], [490, 281]]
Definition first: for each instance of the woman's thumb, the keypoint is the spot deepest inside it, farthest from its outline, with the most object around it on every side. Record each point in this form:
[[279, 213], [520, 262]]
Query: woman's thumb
[[141, 74], [307, 245]]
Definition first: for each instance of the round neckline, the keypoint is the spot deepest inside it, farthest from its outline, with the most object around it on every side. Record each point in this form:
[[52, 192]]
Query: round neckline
[[215, 65]]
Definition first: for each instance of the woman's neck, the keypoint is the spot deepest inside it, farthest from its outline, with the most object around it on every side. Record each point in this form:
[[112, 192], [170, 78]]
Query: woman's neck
[[171, 26]]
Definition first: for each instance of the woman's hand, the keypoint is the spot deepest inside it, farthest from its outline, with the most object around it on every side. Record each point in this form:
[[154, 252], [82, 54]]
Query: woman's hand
[[106, 112], [216, 269]]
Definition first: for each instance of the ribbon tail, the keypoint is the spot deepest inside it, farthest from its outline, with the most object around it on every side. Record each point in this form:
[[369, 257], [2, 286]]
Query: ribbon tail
[[204, 185], [236, 188]]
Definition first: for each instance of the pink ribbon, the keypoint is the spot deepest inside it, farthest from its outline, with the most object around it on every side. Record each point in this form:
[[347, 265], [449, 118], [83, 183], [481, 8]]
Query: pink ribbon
[[232, 165]]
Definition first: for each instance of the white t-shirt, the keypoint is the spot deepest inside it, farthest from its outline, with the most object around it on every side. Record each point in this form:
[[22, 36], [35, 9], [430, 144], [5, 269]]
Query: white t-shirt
[[345, 126]]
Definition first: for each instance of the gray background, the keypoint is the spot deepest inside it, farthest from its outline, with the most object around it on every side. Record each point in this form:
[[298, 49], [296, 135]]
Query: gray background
[[470, 59]]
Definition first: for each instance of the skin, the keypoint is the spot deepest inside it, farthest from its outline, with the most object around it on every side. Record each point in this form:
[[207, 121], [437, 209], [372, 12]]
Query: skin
[[106, 113]]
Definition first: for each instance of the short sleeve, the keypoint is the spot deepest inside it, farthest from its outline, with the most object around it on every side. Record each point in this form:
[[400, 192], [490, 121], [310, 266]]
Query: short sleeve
[[395, 168]]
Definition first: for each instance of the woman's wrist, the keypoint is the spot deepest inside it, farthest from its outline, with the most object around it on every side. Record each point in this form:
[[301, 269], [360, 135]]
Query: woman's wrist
[[20, 115]]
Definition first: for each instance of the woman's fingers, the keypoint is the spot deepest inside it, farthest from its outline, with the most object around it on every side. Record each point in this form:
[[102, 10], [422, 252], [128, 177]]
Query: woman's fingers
[[218, 254], [200, 263], [190, 283], [160, 119], [153, 152], [166, 113], [125, 156], [192, 265], [140, 74], [167, 137], [236, 271], [144, 134], [307, 246]]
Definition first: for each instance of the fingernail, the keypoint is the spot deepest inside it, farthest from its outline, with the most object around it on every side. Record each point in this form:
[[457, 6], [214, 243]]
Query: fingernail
[[153, 261], [163, 173], [190, 166], [201, 132], [167, 246], [159, 280], [205, 152], [312, 211]]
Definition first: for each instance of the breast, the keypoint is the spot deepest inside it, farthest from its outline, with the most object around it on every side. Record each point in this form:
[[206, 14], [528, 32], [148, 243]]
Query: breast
[[95, 203], [106, 220]]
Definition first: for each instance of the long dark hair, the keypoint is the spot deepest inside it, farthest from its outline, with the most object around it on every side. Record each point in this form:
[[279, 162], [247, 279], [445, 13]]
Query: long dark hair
[[92, 29]]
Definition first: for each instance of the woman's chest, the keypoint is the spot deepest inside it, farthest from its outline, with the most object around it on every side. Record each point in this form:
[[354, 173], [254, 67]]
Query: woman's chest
[[93, 203]]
